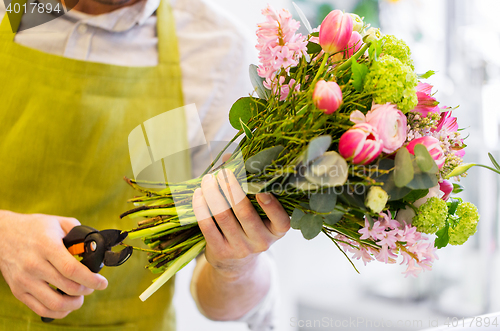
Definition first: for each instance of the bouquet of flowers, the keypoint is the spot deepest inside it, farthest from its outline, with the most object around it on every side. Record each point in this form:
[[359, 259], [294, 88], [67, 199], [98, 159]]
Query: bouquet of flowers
[[349, 139]]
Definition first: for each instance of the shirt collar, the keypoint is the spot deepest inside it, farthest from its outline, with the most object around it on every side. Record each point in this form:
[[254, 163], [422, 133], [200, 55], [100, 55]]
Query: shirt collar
[[118, 20]]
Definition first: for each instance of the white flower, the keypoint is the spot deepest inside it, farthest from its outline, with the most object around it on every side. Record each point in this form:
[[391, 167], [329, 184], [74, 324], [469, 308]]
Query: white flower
[[376, 199]]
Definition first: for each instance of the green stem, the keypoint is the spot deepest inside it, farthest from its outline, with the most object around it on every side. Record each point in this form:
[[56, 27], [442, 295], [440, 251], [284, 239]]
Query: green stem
[[222, 152], [320, 70], [355, 57], [152, 231], [178, 264], [489, 168]]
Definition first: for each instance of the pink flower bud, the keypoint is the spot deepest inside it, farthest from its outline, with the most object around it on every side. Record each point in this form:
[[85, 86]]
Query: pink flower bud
[[446, 187], [335, 31], [354, 44], [433, 146], [361, 144], [327, 96]]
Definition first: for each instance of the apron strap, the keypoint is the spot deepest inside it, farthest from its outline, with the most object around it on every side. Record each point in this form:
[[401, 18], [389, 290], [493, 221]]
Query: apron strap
[[11, 21], [168, 50]]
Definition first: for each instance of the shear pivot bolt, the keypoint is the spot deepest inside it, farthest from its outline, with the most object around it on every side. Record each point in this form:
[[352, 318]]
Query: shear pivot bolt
[[93, 246]]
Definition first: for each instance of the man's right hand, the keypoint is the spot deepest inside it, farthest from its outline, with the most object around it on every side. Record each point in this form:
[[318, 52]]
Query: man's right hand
[[32, 256]]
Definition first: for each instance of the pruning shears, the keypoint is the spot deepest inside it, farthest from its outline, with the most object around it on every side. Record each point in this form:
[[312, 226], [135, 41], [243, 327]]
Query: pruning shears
[[94, 247]]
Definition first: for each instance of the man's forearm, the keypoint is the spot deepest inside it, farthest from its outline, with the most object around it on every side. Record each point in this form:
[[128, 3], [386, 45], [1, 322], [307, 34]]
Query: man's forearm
[[229, 296]]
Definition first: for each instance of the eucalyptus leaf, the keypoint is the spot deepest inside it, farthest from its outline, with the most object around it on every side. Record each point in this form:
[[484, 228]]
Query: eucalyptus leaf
[[317, 147], [311, 225], [301, 183], [334, 217], [323, 202], [246, 129], [350, 198], [403, 168], [243, 109], [303, 18], [328, 170], [253, 187], [258, 83], [257, 163], [422, 181], [295, 219], [359, 72], [394, 192], [424, 159], [415, 195]]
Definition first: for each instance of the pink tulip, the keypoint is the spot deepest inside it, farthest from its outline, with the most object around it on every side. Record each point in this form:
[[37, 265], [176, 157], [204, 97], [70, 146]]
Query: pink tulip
[[335, 31], [390, 123], [354, 44], [327, 96], [361, 144], [446, 187], [433, 146], [426, 103]]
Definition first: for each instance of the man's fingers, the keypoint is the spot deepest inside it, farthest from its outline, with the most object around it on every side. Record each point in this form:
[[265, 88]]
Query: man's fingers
[[220, 209], [279, 220], [205, 221], [68, 223], [53, 300], [243, 209], [40, 309], [54, 277], [73, 270]]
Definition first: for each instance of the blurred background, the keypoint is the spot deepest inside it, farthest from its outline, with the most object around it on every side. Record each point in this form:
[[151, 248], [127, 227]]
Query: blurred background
[[460, 40]]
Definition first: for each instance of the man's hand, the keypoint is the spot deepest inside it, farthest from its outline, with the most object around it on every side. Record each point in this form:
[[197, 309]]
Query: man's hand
[[235, 279], [243, 234], [32, 256]]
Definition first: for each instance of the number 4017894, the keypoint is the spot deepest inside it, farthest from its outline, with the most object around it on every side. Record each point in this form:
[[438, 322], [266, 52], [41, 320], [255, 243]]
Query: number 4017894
[[475, 321], [36, 7]]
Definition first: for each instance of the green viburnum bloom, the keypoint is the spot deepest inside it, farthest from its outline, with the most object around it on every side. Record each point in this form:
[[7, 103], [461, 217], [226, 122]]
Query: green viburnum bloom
[[467, 223], [431, 216], [392, 81], [398, 49]]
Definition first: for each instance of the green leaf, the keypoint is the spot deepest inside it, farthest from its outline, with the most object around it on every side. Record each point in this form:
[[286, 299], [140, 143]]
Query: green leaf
[[296, 217], [334, 217], [403, 171], [350, 198], [311, 225], [426, 75], [375, 50], [257, 163], [313, 48], [323, 202], [495, 163], [317, 147], [370, 220], [301, 183], [424, 159], [457, 188], [422, 181], [248, 132], [258, 83], [328, 170], [243, 109], [443, 237], [303, 18], [452, 206], [415, 195], [359, 72], [314, 34]]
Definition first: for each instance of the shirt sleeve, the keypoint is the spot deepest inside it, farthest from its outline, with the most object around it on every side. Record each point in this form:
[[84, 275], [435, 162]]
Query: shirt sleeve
[[263, 316]]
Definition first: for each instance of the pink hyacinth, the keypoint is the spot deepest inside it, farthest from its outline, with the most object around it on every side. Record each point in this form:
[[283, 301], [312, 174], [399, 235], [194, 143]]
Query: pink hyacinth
[[278, 44], [335, 31], [360, 144], [433, 145], [426, 103]]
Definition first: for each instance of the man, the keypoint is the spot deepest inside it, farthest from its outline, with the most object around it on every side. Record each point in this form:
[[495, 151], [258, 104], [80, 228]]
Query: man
[[72, 90]]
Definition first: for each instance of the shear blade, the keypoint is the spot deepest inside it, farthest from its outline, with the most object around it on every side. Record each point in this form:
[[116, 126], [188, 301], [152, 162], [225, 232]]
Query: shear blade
[[114, 259], [113, 237]]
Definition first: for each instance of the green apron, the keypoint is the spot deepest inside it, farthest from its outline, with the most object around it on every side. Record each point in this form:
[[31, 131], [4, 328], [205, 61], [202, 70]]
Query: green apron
[[64, 151]]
